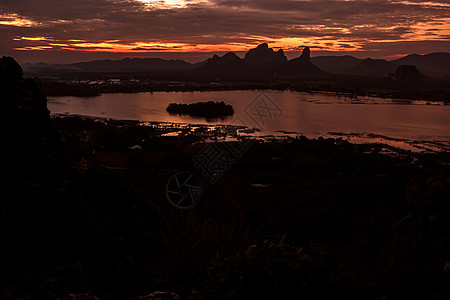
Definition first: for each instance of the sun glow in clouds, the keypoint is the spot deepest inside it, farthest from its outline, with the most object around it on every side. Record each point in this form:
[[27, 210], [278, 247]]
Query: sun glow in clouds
[[164, 3], [16, 20], [430, 3], [112, 46], [202, 26], [37, 38], [117, 46]]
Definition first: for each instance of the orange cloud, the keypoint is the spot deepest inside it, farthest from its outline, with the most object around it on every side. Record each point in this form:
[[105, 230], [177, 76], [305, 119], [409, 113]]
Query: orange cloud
[[116, 46], [16, 20], [145, 26]]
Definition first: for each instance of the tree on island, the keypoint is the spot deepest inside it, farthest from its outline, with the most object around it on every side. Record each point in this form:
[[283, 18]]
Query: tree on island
[[208, 109]]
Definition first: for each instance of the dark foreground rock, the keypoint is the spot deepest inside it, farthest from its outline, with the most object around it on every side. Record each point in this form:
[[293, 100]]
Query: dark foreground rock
[[291, 218], [66, 224]]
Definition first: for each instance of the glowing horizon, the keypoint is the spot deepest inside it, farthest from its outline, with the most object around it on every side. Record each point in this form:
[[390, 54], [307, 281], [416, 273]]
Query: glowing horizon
[[385, 28]]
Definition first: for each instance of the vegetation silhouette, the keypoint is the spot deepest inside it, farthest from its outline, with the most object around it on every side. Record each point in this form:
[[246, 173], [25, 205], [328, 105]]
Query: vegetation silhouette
[[209, 109]]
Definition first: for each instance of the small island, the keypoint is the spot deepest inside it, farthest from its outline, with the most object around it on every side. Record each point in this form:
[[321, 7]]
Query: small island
[[208, 109]]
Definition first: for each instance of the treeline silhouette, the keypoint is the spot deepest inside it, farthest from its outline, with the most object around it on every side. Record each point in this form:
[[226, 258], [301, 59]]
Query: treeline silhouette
[[208, 109]]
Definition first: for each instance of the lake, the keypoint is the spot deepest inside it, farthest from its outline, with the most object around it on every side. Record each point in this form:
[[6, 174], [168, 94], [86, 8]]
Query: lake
[[412, 125]]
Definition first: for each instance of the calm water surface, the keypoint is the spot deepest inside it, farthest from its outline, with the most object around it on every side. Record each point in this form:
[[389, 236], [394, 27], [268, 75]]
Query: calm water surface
[[402, 123]]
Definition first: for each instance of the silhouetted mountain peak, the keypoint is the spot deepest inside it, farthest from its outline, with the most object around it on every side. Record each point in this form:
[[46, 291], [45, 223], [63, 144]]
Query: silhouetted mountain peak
[[306, 54], [263, 56], [263, 46], [373, 67], [231, 55], [226, 66], [301, 67], [228, 57], [374, 60]]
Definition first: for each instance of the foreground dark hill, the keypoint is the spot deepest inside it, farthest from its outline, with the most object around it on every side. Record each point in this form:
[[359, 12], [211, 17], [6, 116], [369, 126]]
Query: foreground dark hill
[[65, 223], [290, 219]]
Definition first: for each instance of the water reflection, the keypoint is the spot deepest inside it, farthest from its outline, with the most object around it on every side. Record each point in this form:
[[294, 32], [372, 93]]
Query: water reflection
[[311, 115]]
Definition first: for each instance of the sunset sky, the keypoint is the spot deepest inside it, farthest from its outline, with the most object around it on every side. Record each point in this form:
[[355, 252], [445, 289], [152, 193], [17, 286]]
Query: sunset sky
[[80, 30]]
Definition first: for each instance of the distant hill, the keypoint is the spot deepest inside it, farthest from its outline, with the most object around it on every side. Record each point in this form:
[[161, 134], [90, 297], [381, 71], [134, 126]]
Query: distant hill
[[226, 66], [373, 67], [133, 65], [436, 64], [336, 64], [300, 67], [260, 62], [409, 75]]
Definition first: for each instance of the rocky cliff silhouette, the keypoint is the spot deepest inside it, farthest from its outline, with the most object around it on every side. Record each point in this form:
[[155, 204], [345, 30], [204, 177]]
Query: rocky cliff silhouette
[[300, 67], [65, 224], [263, 56], [228, 66], [24, 107]]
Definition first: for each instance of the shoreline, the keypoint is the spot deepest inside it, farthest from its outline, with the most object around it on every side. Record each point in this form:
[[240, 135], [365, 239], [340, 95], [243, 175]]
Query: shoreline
[[395, 101], [93, 209], [310, 202], [230, 132], [54, 88]]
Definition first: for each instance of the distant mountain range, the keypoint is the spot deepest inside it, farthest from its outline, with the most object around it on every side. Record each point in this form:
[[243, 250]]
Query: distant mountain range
[[434, 64], [409, 75], [133, 65], [262, 62]]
